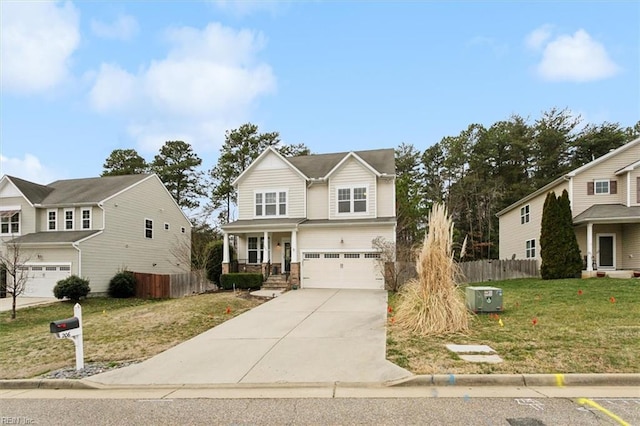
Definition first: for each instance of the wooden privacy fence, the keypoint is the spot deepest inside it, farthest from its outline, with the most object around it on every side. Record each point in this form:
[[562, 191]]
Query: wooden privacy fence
[[497, 270], [156, 286]]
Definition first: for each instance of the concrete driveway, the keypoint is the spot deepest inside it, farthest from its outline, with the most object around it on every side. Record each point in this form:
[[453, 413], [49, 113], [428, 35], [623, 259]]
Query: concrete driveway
[[303, 336], [24, 302]]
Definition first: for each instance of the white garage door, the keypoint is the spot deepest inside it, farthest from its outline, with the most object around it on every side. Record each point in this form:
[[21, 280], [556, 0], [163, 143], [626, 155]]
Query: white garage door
[[342, 270], [42, 279]]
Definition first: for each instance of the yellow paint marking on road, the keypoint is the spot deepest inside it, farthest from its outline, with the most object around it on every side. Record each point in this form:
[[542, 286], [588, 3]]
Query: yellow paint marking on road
[[560, 380], [585, 401]]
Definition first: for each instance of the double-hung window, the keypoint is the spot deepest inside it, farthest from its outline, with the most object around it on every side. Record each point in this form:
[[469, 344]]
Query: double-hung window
[[530, 249], [601, 186], [352, 200], [10, 222], [86, 218], [524, 214], [68, 220], [148, 228], [255, 249], [52, 222], [271, 203]]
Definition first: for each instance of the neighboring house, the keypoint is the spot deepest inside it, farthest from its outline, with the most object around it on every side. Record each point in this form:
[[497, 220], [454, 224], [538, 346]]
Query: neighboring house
[[93, 228], [313, 218], [605, 203]]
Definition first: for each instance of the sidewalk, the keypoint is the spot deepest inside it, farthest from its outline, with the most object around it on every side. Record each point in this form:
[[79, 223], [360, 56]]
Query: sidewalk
[[24, 302]]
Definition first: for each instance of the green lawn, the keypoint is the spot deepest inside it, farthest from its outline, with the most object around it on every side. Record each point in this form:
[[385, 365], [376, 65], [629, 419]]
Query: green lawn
[[114, 330], [582, 326]]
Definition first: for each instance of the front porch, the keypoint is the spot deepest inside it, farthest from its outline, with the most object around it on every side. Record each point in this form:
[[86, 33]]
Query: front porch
[[623, 274]]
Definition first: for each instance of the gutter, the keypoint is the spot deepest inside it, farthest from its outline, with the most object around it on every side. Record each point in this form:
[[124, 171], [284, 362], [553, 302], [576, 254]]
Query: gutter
[[75, 246]]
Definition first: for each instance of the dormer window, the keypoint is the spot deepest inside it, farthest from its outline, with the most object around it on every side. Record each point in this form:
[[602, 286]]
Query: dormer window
[[271, 203], [352, 199]]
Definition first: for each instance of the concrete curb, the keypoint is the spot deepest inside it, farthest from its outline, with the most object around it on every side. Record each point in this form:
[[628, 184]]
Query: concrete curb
[[45, 384], [442, 380], [526, 380]]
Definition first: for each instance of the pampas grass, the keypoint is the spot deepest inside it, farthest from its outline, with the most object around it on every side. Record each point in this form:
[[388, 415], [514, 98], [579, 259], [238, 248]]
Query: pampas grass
[[432, 304]]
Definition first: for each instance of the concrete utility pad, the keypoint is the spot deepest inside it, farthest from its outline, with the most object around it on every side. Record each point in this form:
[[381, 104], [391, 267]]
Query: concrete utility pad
[[467, 349]]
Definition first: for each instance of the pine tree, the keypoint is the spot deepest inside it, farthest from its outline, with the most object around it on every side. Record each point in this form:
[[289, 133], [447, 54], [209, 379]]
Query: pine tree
[[572, 261], [549, 238]]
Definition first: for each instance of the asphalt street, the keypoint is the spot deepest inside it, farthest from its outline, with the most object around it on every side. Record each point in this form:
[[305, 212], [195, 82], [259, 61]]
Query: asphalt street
[[302, 406]]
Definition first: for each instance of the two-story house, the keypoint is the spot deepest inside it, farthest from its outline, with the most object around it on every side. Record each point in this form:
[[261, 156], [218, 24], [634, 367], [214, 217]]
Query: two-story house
[[605, 203], [93, 228], [314, 217]]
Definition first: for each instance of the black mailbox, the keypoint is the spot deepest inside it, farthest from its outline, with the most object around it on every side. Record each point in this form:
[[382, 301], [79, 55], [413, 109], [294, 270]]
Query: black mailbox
[[64, 325]]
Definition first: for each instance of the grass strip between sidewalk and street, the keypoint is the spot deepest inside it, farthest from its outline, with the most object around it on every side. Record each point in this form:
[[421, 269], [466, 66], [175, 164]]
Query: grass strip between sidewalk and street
[[554, 326], [115, 330]]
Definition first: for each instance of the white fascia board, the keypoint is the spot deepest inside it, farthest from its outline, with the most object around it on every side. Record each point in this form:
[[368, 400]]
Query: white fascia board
[[358, 158], [260, 157]]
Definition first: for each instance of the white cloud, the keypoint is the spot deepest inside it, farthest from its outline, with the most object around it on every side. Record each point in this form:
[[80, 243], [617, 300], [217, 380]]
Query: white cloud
[[113, 88], [28, 168], [125, 27], [209, 79], [576, 58], [38, 39], [538, 37]]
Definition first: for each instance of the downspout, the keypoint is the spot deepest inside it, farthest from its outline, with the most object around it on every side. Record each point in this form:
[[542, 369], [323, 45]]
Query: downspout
[[104, 219], [77, 247]]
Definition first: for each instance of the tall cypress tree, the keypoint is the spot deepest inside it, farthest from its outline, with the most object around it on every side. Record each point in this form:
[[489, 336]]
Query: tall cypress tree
[[550, 238], [571, 262]]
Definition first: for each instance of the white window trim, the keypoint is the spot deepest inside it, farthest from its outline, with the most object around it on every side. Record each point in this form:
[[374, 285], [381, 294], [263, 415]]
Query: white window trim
[[352, 200], [19, 212], [167, 226], [527, 251], [145, 228], [73, 219], [264, 249], [525, 212], [265, 216], [82, 219], [55, 222], [595, 186]]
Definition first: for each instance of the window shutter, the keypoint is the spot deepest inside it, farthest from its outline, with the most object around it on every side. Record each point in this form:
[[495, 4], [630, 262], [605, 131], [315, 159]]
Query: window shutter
[[613, 187], [589, 188]]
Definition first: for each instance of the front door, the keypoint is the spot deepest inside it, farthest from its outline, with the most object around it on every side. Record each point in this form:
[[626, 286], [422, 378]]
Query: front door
[[606, 254], [287, 257]]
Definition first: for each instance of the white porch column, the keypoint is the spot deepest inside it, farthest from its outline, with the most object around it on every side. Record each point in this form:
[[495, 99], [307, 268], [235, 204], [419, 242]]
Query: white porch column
[[267, 248], [589, 246], [294, 246], [225, 249]]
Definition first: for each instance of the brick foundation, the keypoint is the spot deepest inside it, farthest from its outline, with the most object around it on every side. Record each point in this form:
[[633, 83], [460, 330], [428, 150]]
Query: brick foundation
[[294, 274]]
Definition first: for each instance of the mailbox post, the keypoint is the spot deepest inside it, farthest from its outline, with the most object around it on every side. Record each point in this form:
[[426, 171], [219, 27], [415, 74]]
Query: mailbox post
[[71, 328]]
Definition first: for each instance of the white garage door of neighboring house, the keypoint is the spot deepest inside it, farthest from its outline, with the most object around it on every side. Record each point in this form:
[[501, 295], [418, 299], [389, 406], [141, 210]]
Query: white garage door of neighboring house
[[358, 270], [42, 279]]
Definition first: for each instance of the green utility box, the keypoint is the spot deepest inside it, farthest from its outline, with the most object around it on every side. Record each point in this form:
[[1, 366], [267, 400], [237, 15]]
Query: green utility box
[[484, 299]]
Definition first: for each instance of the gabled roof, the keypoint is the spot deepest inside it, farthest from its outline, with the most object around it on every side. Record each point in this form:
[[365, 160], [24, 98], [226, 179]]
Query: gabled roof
[[33, 192], [264, 153], [575, 172], [315, 166], [89, 190]]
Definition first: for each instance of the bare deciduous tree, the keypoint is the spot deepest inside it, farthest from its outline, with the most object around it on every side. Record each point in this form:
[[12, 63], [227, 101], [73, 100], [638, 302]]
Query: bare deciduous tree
[[395, 262], [13, 261]]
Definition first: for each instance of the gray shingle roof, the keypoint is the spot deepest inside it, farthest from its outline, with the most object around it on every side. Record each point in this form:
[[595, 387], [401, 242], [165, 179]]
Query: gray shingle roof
[[34, 192], [54, 237], [89, 190], [318, 165], [608, 213]]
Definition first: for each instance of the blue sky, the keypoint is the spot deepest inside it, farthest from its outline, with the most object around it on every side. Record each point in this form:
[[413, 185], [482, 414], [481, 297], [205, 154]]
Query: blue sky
[[80, 79]]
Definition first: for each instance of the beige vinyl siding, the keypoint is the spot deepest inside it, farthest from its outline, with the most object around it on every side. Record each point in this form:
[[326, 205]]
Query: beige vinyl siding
[[27, 214], [122, 244], [273, 178], [386, 198], [604, 170], [318, 201], [352, 174], [55, 255], [43, 218], [353, 237], [630, 255], [514, 234]]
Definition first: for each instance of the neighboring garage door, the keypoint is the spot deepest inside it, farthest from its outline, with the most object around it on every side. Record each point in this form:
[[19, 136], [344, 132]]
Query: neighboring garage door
[[42, 279], [342, 270]]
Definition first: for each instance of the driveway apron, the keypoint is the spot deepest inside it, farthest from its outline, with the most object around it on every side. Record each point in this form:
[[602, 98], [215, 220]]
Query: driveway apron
[[303, 336]]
